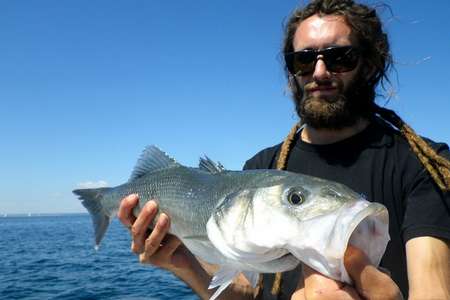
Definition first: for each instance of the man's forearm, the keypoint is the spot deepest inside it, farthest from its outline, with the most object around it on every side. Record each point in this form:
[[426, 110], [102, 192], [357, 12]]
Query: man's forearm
[[428, 268], [196, 278]]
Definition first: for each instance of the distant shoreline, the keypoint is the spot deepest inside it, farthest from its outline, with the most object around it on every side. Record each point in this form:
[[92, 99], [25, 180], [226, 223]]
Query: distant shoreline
[[16, 215]]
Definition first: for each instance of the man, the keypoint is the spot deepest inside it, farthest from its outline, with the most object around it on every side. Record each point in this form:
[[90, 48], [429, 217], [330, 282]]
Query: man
[[336, 54]]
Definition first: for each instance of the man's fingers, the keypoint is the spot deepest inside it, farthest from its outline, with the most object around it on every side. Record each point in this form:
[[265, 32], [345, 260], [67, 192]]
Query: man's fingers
[[318, 286], [178, 252], [314, 278], [163, 253], [370, 282], [141, 225], [125, 213], [153, 242], [171, 243]]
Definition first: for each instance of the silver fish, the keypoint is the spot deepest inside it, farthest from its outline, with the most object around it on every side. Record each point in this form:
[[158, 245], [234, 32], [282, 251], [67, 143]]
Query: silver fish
[[253, 221]]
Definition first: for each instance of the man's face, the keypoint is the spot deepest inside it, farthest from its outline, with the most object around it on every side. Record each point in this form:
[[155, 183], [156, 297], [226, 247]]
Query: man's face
[[328, 98]]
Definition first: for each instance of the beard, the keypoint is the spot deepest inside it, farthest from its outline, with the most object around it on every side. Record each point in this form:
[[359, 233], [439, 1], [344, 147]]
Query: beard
[[338, 111]]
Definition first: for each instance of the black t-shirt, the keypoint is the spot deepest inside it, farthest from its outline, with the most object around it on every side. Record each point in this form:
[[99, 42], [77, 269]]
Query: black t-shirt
[[378, 163]]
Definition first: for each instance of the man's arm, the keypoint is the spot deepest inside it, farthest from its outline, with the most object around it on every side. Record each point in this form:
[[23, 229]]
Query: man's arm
[[428, 261]]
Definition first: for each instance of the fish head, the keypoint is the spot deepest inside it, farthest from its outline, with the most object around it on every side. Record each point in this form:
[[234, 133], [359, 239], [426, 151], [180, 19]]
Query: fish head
[[309, 218], [329, 217]]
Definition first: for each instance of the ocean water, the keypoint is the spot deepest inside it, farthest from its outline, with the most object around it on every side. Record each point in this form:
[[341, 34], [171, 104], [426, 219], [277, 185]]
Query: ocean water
[[52, 257]]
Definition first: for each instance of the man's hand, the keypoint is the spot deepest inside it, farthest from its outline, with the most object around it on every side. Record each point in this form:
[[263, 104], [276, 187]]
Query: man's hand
[[166, 251], [156, 247], [369, 282]]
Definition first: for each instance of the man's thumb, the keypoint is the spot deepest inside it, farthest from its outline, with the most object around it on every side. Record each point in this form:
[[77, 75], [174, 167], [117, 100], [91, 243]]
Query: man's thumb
[[370, 282]]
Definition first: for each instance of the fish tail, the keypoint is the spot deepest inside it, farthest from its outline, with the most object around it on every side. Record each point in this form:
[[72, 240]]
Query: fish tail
[[91, 199]]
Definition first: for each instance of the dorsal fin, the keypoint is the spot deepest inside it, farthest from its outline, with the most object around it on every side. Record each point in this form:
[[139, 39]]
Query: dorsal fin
[[152, 159], [208, 165]]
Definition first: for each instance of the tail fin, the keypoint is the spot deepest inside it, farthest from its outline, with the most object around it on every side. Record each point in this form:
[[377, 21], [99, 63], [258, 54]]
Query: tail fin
[[91, 199]]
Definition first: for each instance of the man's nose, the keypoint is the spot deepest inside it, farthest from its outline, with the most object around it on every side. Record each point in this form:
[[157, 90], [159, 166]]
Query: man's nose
[[320, 70]]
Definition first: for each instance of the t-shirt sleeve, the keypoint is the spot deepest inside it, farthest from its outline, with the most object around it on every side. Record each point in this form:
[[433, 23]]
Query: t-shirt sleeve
[[427, 207]]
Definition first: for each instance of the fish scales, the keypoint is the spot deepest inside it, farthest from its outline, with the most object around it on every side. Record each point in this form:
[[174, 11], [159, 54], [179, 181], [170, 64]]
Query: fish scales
[[188, 195]]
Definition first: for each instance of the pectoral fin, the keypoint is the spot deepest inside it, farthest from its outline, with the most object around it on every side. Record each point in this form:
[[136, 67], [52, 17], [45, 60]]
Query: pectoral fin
[[252, 277], [222, 279]]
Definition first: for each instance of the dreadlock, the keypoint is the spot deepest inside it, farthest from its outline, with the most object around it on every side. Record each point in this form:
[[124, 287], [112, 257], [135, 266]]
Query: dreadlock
[[436, 165], [373, 41]]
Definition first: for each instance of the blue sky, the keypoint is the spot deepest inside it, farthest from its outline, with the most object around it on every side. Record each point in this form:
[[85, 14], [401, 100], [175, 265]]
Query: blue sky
[[86, 85]]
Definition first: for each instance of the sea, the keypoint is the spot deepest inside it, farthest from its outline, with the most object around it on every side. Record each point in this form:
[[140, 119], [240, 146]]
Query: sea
[[53, 257]]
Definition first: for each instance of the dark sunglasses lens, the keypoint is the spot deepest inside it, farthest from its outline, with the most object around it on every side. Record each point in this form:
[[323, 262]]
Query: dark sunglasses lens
[[342, 59], [337, 60], [301, 62]]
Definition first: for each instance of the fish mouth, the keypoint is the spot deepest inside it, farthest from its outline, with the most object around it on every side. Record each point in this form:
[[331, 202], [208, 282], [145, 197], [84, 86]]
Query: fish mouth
[[367, 229], [324, 239], [355, 215]]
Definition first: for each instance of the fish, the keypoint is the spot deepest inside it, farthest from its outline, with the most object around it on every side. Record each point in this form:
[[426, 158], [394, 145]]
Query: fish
[[249, 221]]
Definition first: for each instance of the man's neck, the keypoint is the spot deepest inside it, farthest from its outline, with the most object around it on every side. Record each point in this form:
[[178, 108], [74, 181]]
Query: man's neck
[[322, 136]]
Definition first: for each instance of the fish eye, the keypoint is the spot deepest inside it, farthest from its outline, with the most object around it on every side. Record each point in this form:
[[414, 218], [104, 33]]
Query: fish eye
[[296, 198]]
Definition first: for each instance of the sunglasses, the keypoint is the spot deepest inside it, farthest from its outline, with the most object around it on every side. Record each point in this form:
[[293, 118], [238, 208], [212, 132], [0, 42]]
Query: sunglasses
[[337, 59]]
